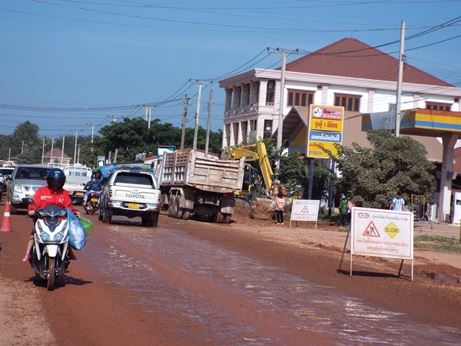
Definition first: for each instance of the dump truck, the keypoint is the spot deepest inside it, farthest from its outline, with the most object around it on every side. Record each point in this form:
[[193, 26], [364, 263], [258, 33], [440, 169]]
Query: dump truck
[[193, 183]]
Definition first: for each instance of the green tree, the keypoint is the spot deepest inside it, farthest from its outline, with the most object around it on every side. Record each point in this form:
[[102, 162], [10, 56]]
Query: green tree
[[374, 175], [132, 137], [26, 145]]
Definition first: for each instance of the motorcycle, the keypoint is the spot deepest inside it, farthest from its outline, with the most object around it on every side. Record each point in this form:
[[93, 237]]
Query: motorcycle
[[50, 249], [92, 205]]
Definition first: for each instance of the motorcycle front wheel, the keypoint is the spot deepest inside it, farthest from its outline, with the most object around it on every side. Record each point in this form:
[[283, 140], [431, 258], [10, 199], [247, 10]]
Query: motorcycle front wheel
[[51, 274]]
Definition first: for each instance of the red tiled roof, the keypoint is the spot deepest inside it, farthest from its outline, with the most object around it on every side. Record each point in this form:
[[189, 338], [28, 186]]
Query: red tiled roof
[[57, 153], [350, 57]]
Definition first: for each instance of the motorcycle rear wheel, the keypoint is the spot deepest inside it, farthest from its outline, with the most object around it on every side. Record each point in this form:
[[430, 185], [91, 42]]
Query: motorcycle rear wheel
[[51, 274]]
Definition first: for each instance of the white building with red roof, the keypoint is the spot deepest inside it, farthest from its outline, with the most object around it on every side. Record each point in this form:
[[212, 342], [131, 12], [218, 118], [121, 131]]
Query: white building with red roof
[[346, 73]]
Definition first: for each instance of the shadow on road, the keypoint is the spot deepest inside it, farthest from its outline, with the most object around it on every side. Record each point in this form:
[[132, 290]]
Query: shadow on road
[[367, 273]]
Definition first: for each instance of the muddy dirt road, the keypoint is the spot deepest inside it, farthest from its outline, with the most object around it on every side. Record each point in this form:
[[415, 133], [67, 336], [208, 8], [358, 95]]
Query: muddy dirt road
[[192, 283]]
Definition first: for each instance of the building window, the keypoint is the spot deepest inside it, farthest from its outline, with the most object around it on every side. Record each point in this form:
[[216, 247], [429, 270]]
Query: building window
[[270, 93], [437, 106], [267, 128], [300, 98], [349, 102]]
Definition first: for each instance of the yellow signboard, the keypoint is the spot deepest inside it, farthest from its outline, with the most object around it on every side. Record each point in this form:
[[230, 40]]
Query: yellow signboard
[[325, 131]]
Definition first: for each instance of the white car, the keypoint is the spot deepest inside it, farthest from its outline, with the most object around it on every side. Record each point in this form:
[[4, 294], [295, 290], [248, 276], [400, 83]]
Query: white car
[[26, 179], [130, 193], [76, 178]]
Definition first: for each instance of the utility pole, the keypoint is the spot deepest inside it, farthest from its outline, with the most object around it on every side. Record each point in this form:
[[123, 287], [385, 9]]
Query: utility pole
[[75, 147], [62, 150], [43, 149], [52, 148], [115, 155], [208, 123], [184, 118], [149, 117], [400, 79], [78, 153], [22, 147], [197, 114], [92, 133], [283, 52]]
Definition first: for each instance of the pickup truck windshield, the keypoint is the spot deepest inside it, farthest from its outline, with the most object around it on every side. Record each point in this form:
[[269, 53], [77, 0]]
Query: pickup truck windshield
[[138, 179], [32, 173]]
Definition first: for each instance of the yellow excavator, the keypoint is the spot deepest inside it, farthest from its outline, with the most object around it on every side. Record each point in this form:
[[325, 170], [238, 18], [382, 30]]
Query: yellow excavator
[[255, 152]]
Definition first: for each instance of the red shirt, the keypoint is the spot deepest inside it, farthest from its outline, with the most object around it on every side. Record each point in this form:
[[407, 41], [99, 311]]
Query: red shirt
[[45, 196]]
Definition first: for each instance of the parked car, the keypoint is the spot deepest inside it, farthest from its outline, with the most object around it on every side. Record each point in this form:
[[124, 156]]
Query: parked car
[[26, 179], [5, 176], [130, 193]]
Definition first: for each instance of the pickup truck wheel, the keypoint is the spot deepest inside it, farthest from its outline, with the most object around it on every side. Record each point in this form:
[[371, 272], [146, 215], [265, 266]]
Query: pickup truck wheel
[[179, 211], [150, 220], [147, 221], [154, 219], [107, 216], [13, 210]]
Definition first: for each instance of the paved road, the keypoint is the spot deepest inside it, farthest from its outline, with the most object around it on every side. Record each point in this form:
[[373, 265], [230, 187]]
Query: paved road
[[171, 285]]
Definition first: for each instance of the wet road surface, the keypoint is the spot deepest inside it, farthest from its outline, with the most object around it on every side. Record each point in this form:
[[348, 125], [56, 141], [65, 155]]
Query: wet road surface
[[185, 284], [232, 299]]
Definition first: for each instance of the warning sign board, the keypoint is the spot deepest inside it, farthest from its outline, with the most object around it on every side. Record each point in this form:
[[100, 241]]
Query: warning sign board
[[371, 230], [305, 210], [382, 233]]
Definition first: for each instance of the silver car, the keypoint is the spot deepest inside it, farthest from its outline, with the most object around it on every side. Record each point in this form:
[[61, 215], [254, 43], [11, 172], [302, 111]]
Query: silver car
[[26, 179]]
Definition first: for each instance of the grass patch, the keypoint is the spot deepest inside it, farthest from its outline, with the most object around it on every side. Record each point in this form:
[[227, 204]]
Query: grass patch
[[438, 243]]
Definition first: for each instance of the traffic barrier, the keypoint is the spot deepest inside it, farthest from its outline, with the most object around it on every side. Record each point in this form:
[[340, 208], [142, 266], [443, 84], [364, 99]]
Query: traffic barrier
[[6, 222]]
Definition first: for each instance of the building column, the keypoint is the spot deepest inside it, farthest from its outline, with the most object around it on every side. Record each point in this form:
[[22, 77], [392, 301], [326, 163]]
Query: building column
[[446, 176], [325, 95], [262, 93], [371, 101]]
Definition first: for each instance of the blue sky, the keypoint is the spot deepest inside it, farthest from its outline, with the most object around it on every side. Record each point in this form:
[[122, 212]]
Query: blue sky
[[66, 65]]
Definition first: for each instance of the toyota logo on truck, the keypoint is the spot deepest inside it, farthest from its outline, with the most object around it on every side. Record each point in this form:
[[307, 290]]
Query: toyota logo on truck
[[134, 195]]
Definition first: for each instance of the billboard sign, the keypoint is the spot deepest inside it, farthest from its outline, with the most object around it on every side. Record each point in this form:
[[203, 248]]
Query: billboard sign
[[325, 131]]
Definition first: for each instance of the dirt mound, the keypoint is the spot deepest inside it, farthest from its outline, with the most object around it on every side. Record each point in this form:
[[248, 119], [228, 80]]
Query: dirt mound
[[260, 209]]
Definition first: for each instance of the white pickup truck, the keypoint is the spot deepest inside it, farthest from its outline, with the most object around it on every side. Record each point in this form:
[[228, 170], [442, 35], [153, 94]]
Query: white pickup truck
[[76, 178], [130, 193]]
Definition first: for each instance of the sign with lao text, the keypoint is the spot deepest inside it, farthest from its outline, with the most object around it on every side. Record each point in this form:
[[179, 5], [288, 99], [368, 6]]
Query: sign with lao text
[[305, 210], [325, 131], [382, 233]]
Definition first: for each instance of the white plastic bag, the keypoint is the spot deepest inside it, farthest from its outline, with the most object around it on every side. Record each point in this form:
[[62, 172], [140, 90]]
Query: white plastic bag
[[77, 236]]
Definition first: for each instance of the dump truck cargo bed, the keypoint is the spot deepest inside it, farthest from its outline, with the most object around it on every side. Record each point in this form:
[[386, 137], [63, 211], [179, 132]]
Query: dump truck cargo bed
[[191, 168]]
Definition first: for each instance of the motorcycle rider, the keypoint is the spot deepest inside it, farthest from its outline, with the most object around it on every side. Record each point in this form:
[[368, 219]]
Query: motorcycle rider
[[52, 193], [94, 185]]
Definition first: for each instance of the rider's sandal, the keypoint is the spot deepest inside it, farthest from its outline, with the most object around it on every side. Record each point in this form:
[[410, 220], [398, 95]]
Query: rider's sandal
[[27, 258]]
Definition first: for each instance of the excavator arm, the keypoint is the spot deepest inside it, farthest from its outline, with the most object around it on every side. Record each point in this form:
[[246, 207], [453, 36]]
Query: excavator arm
[[255, 152]]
